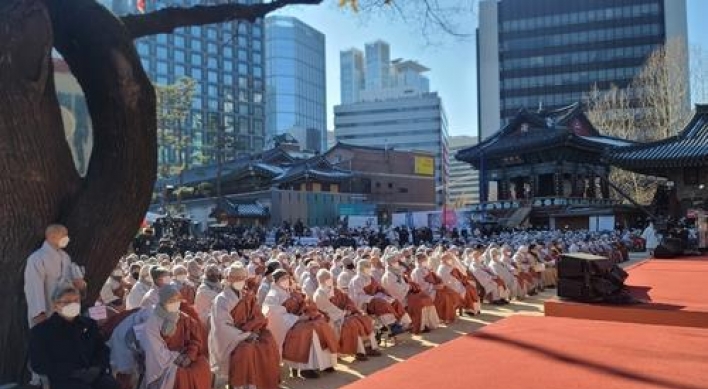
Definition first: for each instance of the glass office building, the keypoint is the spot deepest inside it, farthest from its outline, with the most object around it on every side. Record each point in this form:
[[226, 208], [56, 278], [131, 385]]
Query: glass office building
[[550, 53], [227, 62], [351, 73], [296, 93]]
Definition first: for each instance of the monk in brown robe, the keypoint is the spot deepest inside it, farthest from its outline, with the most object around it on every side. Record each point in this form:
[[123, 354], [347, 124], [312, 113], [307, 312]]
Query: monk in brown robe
[[445, 299], [461, 283], [241, 346], [355, 331], [367, 293], [307, 342], [186, 288], [173, 343]]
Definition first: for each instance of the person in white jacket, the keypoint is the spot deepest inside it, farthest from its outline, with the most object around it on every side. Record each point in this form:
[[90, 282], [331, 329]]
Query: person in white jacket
[[651, 238]]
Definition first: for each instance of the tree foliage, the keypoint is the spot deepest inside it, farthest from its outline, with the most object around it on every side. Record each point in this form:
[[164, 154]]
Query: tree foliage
[[173, 104], [655, 105]]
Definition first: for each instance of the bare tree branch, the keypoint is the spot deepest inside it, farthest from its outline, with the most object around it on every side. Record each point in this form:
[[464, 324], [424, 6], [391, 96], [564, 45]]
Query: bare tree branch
[[166, 20]]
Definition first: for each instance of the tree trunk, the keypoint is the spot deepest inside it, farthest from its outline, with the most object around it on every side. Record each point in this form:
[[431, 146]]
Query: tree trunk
[[39, 184], [38, 177]]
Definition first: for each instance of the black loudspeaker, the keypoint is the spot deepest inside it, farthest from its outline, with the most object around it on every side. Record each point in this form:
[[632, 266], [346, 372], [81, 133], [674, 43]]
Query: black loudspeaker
[[589, 278], [669, 248]]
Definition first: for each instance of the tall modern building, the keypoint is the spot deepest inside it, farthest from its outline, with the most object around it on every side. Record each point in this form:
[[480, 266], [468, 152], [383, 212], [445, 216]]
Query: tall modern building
[[375, 77], [416, 123], [463, 183], [351, 63], [227, 62], [378, 64], [550, 53], [296, 91]]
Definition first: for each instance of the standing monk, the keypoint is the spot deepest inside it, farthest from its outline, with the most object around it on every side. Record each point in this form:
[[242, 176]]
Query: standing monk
[[47, 268]]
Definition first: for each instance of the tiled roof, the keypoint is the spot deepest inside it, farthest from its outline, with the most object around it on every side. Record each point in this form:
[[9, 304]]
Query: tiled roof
[[541, 130], [687, 149], [240, 209], [280, 167], [316, 167]]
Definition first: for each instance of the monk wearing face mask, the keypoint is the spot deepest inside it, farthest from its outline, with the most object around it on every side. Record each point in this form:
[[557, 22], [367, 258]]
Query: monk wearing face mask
[[238, 333], [173, 343]]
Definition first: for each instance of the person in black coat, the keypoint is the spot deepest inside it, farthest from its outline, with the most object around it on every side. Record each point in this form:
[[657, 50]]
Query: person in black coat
[[68, 349]]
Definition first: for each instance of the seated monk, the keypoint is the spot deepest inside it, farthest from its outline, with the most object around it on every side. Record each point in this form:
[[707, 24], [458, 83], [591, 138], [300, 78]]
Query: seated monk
[[420, 307], [113, 291], [459, 282], [119, 330], [525, 267], [173, 343], [186, 288], [355, 331], [445, 299], [495, 289], [374, 300], [522, 282], [306, 341], [238, 333]]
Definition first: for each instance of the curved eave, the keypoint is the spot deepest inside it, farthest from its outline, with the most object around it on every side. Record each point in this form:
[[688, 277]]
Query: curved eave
[[475, 153], [312, 176]]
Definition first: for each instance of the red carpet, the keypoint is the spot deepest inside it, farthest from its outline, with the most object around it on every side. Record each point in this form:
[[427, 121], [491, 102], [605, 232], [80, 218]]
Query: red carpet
[[674, 291], [524, 352]]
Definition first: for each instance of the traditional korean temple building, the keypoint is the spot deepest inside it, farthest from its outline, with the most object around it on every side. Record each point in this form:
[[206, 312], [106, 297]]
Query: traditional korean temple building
[[286, 184], [545, 166], [681, 159], [263, 189]]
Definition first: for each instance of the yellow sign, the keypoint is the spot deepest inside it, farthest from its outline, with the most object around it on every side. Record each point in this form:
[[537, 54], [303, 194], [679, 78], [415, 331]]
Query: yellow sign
[[425, 166]]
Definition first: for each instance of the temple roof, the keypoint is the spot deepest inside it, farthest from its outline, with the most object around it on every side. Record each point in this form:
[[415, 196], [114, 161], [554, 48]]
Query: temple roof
[[689, 148], [278, 165], [537, 131], [316, 168]]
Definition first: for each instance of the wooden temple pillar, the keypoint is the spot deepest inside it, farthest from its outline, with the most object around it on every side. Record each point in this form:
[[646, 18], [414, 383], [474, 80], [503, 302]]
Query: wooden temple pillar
[[605, 189], [558, 184], [592, 187], [504, 188], [533, 185]]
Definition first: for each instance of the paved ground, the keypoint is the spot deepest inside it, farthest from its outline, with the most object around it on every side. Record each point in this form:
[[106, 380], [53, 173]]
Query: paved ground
[[350, 371]]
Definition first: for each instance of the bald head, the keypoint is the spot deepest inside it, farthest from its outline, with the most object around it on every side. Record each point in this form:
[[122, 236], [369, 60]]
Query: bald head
[[55, 229], [57, 235]]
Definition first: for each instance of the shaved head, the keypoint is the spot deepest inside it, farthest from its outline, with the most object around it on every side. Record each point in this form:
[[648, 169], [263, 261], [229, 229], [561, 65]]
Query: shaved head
[[56, 230]]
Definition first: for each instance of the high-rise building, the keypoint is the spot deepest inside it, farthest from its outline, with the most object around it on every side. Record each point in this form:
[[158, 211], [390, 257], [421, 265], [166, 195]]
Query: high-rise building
[[351, 63], [416, 123], [550, 53], [227, 63], [378, 65], [463, 183], [374, 77], [295, 82]]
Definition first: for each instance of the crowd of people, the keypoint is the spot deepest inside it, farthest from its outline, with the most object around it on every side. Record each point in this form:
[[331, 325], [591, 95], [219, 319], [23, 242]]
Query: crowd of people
[[176, 320]]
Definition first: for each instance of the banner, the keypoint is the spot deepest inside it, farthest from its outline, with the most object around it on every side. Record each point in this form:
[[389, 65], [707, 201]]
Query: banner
[[424, 166]]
